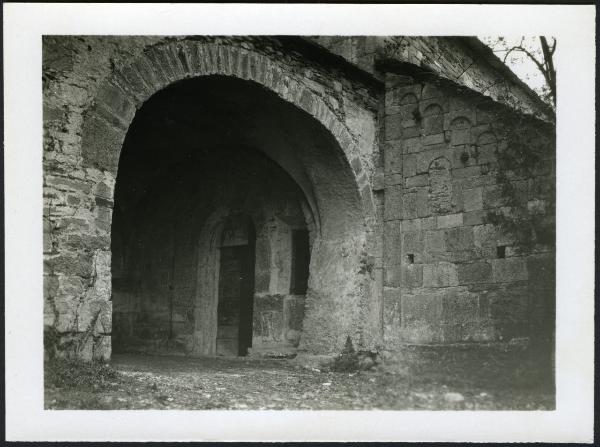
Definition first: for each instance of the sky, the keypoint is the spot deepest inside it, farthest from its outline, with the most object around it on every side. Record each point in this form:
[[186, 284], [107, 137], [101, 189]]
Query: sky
[[519, 62]]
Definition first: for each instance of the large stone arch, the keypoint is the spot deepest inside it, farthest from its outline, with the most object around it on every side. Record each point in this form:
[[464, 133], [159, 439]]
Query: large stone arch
[[121, 94], [342, 261]]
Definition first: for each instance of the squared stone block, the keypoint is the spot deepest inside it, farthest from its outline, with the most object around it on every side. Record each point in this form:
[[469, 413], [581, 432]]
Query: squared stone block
[[409, 165], [392, 275], [460, 137], [469, 171], [459, 238], [393, 127], [411, 145], [392, 242], [485, 235], [476, 272], [393, 179], [435, 241], [433, 125], [509, 305], [441, 274], [409, 206], [437, 138], [460, 307], [393, 197], [412, 242], [412, 276], [393, 156], [423, 208], [449, 220], [492, 197], [472, 199], [542, 270], [417, 181], [509, 270], [474, 217]]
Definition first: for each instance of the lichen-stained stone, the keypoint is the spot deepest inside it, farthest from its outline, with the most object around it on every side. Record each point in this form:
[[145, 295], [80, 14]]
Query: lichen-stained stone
[[412, 276], [509, 270], [394, 203], [509, 304], [449, 220], [102, 348], [475, 272], [409, 205], [77, 264], [95, 315], [441, 274], [459, 238], [435, 241], [485, 235], [472, 199], [459, 307], [393, 156], [421, 317]]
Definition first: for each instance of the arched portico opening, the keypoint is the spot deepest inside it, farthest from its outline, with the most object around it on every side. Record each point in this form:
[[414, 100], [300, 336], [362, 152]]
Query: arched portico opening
[[172, 148]]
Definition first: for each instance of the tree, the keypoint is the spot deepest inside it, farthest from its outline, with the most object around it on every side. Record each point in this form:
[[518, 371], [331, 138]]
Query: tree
[[524, 53]]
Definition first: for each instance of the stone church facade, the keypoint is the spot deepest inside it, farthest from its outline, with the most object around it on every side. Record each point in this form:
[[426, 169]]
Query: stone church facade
[[277, 195]]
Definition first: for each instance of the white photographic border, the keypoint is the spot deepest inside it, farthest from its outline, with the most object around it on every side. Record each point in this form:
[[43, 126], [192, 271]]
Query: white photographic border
[[573, 26]]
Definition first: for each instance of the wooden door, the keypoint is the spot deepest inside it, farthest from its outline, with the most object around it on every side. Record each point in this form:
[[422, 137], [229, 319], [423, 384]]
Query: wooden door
[[234, 311]]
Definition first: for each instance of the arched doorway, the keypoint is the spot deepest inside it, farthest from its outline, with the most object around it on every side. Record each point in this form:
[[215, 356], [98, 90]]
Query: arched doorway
[[219, 142], [236, 287]]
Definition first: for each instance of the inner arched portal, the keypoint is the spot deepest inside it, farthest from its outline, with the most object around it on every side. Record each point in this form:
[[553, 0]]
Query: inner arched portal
[[210, 166]]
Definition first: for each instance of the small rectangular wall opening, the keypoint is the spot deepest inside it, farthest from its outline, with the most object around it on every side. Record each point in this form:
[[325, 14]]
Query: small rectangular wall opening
[[300, 262], [410, 258], [501, 251]]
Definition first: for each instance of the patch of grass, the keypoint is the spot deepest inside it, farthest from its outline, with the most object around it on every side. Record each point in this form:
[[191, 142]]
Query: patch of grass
[[62, 373]]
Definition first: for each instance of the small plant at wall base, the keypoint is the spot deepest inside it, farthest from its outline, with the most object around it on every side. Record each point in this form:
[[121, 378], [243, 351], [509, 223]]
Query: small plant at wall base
[[529, 217]]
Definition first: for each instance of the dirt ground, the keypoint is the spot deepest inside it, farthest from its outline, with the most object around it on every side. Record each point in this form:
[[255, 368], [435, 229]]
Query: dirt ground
[[434, 381]]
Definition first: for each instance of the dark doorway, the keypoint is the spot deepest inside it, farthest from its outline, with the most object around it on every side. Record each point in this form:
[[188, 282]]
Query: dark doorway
[[300, 262], [236, 293]]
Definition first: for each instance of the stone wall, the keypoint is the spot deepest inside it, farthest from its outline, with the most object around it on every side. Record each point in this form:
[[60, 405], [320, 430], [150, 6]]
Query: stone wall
[[450, 276], [394, 147]]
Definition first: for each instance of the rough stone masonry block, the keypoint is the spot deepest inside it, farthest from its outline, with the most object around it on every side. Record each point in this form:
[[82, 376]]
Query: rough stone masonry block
[[97, 312], [509, 270], [101, 144], [476, 272], [442, 274]]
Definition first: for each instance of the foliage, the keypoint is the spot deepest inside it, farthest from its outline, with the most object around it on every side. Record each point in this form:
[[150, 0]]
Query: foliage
[[63, 373], [528, 154], [535, 52]]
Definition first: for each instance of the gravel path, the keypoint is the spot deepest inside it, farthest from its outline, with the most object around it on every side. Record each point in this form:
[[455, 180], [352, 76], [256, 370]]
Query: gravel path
[[147, 382]]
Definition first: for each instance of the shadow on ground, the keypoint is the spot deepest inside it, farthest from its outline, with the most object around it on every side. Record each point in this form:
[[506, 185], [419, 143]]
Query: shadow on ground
[[423, 379]]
